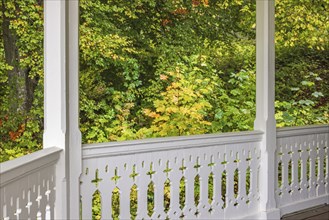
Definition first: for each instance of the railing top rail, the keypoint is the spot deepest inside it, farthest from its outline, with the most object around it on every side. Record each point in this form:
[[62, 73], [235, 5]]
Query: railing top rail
[[15, 169], [169, 143], [302, 130]]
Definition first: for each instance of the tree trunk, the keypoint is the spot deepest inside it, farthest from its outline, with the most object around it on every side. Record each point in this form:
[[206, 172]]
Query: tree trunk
[[21, 87]]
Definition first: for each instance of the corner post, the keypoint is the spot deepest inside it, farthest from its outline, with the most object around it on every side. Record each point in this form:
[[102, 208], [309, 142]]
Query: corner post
[[265, 106], [61, 100]]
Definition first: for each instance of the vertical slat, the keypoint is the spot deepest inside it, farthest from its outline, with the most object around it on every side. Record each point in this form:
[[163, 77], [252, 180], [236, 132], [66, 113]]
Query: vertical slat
[[105, 186], [174, 176], [159, 180], [285, 176], [124, 184], [142, 183], [87, 189], [204, 175], [230, 168], [254, 178], [312, 145], [321, 154], [304, 182], [33, 185], [278, 159], [217, 212], [44, 175], [294, 176], [242, 166], [190, 208]]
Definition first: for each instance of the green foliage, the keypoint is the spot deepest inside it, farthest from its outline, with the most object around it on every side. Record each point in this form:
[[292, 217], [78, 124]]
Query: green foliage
[[21, 132], [151, 68]]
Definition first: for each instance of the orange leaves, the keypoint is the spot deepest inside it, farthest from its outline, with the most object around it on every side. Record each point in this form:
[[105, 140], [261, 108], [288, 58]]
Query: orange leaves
[[196, 3], [180, 11], [163, 77], [150, 113], [16, 134], [165, 22], [13, 135]]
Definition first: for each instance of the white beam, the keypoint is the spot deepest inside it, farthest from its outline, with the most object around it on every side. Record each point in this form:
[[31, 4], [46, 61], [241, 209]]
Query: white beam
[[61, 100], [74, 135], [265, 112]]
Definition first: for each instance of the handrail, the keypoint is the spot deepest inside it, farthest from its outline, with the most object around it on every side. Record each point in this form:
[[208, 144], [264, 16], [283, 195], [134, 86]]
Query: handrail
[[302, 130], [23, 166], [168, 143]]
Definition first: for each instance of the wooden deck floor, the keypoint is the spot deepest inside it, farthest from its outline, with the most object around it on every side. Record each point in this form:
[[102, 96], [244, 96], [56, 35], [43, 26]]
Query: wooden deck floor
[[314, 213]]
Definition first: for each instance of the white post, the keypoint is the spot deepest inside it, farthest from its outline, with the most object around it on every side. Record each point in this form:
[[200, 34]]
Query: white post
[[265, 112], [61, 100]]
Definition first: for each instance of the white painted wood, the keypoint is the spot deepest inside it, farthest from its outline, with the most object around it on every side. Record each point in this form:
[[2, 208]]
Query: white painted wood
[[54, 70], [27, 185], [304, 204], [168, 156], [61, 52], [297, 144], [169, 143], [159, 180], [265, 121], [302, 130], [72, 86]]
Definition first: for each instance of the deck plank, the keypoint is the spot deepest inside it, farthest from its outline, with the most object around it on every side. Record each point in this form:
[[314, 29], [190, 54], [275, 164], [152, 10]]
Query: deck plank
[[314, 213], [323, 216]]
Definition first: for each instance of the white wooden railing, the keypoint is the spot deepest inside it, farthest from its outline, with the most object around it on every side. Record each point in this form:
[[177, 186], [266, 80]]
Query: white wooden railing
[[196, 177], [208, 176], [302, 167], [27, 186]]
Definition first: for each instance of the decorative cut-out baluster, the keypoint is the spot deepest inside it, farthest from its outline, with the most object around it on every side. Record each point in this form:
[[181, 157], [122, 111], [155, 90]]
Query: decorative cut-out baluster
[[211, 188], [116, 203], [317, 167], [151, 172], [299, 171], [133, 201], [236, 183], [248, 183], [236, 178], [196, 190], [29, 203], [116, 177], [150, 199], [308, 169], [133, 194], [212, 163], [290, 172], [197, 186], [97, 180], [325, 162], [182, 191], [183, 167], [134, 174], [18, 209], [166, 199], [224, 180], [96, 206], [150, 192]]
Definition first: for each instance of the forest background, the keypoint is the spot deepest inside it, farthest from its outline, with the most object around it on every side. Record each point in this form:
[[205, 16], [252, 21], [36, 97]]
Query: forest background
[[156, 68]]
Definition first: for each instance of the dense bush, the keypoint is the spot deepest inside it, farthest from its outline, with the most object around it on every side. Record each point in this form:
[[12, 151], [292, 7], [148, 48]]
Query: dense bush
[[154, 68]]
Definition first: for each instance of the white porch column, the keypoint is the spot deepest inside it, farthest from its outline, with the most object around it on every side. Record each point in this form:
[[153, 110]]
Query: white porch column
[[265, 112], [61, 100]]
